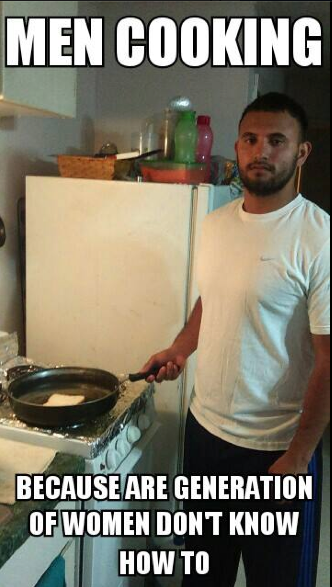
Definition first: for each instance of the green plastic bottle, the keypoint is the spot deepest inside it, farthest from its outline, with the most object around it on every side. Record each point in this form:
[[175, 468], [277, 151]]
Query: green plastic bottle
[[185, 138]]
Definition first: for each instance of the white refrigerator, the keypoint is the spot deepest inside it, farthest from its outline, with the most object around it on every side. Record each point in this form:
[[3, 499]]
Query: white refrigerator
[[110, 281]]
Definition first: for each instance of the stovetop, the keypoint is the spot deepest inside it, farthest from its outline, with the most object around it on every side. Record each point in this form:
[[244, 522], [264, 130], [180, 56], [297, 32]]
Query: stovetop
[[89, 439]]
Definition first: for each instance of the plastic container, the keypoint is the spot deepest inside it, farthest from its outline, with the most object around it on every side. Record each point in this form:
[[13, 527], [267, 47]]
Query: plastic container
[[167, 132], [145, 141], [185, 138], [204, 143], [171, 172]]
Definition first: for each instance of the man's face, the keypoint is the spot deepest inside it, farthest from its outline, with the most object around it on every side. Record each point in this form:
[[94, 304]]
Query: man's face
[[268, 151]]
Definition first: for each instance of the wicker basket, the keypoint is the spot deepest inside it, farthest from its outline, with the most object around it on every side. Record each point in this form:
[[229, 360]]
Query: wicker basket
[[86, 167]]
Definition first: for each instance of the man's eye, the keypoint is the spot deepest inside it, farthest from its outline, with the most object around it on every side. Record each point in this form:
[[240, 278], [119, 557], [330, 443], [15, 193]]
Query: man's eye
[[250, 140], [277, 142]]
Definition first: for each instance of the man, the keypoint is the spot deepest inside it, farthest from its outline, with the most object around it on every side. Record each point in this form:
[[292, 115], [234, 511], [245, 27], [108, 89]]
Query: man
[[261, 327]]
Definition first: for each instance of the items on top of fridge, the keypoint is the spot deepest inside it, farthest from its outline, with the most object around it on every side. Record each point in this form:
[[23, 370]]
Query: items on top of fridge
[[180, 104], [167, 132], [172, 172], [86, 167], [157, 131], [101, 166], [108, 149], [147, 139], [185, 138], [204, 143]]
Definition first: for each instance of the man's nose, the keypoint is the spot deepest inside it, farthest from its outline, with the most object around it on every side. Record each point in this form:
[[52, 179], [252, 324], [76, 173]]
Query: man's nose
[[262, 151]]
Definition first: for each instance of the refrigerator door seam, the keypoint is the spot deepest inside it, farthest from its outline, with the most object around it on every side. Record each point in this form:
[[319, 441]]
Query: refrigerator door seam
[[189, 283]]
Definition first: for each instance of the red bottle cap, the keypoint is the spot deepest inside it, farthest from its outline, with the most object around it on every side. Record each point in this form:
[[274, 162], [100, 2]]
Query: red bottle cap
[[203, 119]]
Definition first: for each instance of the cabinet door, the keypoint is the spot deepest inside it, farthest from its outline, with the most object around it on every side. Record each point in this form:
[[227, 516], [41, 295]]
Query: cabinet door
[[36, 555], [36, 90], [71, 554]]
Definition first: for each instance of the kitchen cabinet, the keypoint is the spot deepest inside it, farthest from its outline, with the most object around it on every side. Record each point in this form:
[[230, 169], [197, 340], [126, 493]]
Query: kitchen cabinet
[[24, 558], [33, 558], [36, 91]]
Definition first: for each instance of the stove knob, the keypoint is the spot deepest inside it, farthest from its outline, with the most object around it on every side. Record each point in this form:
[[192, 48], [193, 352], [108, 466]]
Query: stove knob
[[143, 422], [133, 434], [123, 447], [113, 459]]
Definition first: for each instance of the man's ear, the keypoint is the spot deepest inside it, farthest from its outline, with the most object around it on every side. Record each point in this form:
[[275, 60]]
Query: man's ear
[[304, 152]]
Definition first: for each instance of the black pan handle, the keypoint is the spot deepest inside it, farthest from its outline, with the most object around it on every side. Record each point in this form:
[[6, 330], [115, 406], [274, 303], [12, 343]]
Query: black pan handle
[[140, 376]]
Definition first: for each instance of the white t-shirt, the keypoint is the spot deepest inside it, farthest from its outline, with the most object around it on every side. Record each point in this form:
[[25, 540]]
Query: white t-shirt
[[264, 283]]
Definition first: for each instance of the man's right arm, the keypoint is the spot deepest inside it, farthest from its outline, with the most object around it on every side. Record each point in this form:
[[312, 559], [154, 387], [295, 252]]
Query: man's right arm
[[173, 359]]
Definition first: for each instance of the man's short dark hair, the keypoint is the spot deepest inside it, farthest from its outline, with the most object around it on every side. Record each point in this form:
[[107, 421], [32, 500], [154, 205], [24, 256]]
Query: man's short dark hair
[[276, 102]]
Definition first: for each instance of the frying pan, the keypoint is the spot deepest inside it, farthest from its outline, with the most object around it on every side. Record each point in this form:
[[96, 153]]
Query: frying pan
[[29, 392]]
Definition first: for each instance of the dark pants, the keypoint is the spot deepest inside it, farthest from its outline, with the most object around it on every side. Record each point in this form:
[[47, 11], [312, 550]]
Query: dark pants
[[269, 561]]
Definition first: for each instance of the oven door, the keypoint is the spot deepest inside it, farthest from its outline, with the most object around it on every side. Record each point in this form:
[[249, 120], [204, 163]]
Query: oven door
[[100, 555]]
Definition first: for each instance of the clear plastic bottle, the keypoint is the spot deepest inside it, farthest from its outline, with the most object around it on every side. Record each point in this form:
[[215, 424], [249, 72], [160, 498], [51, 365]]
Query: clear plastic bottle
[[166, 133], [185, 138], [204, 144]]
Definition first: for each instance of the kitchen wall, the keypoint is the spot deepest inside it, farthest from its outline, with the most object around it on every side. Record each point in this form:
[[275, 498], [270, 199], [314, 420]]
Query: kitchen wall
[[25, 148]]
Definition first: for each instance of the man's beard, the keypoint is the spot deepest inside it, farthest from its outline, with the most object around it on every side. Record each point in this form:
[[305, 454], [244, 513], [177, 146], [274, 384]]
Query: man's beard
[[268, 187]]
